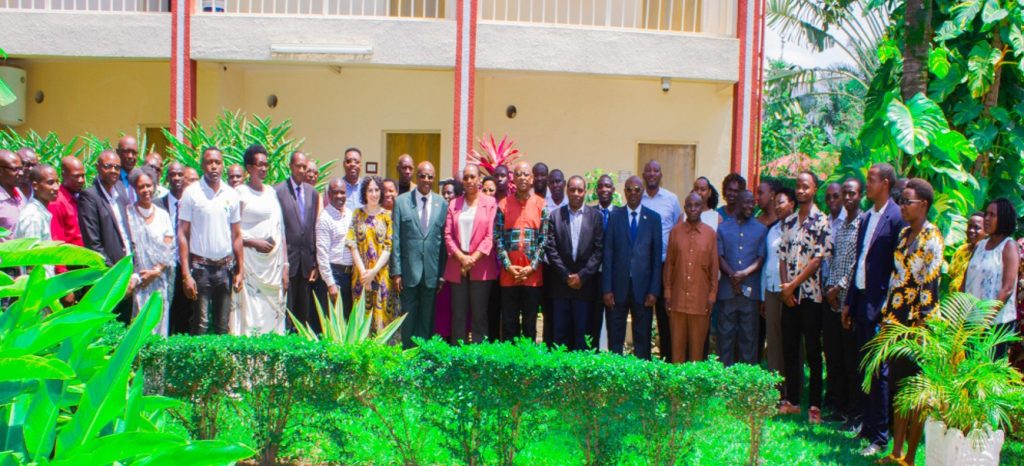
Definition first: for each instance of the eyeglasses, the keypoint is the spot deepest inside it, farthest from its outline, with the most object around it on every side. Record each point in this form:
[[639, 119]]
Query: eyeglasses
[[109, 166], [426, 176], [906, 201]]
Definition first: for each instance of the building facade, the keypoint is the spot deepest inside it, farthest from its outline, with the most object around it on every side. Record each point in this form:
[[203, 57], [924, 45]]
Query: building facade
[[579, 84]]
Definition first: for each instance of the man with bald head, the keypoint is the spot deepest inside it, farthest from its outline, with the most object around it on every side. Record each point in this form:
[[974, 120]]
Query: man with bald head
[[29, 160], [236, 175], [64, 224], [417, 263], [11, 197], [520, 232], [299, 203], [128, 151], [103, 217], [405, 169], [333, 257], [191, 176]]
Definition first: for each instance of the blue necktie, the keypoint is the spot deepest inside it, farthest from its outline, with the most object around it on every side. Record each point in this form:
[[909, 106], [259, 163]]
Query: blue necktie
[[604, 218], [632, 228]]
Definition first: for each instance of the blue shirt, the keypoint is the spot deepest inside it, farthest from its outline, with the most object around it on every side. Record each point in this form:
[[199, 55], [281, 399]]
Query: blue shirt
[[740, 245], [352, 200], [666, 204]]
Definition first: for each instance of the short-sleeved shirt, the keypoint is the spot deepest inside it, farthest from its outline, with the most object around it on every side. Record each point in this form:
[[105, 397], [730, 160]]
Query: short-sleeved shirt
[[914, 284], [666, 204], [211, 214], [10, 207], [802, 242], [741, 245], [770, 278]]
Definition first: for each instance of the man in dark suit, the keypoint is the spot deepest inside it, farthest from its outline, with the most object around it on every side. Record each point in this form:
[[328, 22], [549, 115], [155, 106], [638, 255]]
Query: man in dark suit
[[417, 256], [181, 308], [299, 201], [574, 254], [876, 244], [103, 219], [632, 249]]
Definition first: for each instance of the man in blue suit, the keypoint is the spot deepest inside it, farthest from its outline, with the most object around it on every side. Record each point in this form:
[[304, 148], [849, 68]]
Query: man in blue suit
[[631, 282], [876, 244]]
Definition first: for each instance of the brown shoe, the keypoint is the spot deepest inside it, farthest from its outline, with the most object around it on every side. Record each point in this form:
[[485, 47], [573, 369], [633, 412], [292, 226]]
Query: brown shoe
[[814, 415]]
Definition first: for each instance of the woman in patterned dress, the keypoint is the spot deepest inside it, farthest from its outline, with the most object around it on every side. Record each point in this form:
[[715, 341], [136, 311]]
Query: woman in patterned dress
[[369, 239], [155, 251], [962, 256], [913, 295]]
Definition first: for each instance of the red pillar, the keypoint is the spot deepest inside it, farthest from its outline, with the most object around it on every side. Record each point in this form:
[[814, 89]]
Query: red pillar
[[746, 122], [465, 87], [183, 68]]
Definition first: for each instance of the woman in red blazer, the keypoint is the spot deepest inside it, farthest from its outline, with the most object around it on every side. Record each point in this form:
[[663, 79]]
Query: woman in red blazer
[[471, 268]]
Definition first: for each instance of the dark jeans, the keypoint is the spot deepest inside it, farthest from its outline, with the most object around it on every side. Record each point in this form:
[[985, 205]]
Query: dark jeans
[[470, 297], [642, 317], [343, 280], [300, 300], [664, 330], [875, 404], [842, 387], [494, 312], [181, 308], [802, 324], [737, 330], [519, 312], [571, 321], [418, 306], [213, 300]]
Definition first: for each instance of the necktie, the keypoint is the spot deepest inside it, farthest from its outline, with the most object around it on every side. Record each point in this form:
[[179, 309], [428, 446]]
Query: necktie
[[302, 204], [604, 218], [423, 214], [632, 227]]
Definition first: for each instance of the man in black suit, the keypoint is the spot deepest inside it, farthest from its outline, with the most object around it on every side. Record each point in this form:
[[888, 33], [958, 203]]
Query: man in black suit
[[632, 270], [574, 257], [299, 201], [877, 236], [103, 219], [181, 308]]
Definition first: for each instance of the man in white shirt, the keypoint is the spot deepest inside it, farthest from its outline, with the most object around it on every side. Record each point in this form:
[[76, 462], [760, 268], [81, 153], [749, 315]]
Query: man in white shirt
[[333, 258], [211, 253]]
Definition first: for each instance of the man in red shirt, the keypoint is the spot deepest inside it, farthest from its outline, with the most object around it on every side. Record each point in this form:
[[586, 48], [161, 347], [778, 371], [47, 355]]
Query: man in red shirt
[[64, 226]]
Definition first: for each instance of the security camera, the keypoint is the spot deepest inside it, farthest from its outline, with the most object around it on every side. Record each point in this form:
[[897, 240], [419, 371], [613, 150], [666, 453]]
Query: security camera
[[666, 84]]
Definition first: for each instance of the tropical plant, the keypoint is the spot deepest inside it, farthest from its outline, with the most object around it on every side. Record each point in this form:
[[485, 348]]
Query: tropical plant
[[49, 148], [339, 331], [66, 396], [233, 133], [962, 383], [592, 176], [494, 153]]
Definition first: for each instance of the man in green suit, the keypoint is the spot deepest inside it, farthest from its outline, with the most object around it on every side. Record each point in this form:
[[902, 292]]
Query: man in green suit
[[417, 253]]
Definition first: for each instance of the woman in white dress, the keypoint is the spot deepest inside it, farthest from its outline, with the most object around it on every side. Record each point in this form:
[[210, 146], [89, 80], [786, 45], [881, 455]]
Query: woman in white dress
[[261, 303], [154, 247], [703, 187], [992, 272]]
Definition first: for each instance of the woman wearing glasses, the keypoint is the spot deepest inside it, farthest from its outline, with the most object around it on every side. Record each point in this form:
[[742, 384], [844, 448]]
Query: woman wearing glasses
[[913, 295]]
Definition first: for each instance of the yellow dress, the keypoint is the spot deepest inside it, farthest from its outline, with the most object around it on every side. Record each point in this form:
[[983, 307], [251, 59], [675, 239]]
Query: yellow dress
[[371, 236], [958, 266]]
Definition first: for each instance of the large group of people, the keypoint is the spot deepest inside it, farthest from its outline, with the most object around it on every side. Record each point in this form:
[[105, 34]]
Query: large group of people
[[766, 275]]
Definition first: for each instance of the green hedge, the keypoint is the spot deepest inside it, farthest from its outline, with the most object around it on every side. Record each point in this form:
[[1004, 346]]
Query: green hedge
[[480, 397]]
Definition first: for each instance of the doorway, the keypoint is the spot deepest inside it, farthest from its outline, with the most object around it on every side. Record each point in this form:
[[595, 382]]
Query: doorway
[[421, 146], [678, 165]]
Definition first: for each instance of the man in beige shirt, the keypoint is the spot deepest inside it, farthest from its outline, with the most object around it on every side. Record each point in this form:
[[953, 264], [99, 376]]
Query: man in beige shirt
[[691, 282]]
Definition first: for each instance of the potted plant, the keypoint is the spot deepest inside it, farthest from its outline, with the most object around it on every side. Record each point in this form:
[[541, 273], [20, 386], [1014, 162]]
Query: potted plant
[[966, 394]]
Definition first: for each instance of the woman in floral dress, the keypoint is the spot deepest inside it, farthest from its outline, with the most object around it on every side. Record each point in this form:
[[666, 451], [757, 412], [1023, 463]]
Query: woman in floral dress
[[369, 238]]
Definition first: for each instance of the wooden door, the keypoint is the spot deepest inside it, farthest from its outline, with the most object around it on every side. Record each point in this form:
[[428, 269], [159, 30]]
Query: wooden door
[[421, 146], [678, 162]]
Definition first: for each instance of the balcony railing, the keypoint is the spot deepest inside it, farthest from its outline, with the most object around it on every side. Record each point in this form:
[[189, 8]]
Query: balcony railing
[[110, 6], [714, 17], [710, 17]]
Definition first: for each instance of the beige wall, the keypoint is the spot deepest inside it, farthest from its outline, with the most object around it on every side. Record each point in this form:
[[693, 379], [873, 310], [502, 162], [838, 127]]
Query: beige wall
[[579, 123], [333, 110], [104, 98]]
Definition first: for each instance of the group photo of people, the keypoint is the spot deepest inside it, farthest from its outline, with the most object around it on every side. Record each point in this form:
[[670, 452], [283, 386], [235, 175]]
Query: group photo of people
[[753, 274]]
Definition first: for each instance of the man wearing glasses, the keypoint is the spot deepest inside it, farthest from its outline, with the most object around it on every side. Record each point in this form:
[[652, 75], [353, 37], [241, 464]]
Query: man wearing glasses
[[416, 263], [102, 218], [11, 198]]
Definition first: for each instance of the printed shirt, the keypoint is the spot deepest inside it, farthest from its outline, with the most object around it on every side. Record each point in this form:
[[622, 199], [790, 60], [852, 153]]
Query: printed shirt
[[802, 242], [690, 272], [34, 222], [914, 284], [845, 257], [520, 230], [958, 266], [331, 233], [10, 206]]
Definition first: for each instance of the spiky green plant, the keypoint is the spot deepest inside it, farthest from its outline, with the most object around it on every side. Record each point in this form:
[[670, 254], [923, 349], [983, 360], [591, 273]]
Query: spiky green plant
[[339, 331], [961, 382], [233, 133], [49, 148]]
